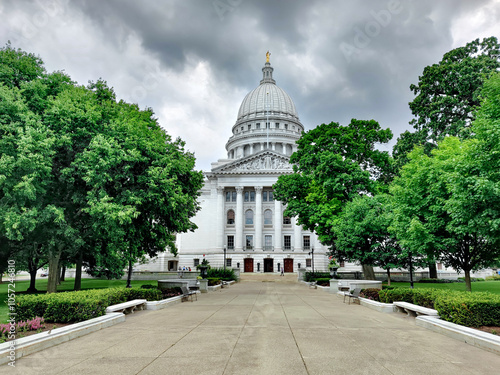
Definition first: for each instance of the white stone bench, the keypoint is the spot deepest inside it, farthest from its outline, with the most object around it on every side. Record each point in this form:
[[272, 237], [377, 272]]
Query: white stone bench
[[127, 307], [414, 310]]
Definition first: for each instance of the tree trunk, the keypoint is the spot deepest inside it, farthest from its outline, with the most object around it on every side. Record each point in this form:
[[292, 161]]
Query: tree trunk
[[388, 277], [54, 257], [32, 288], [78, 272], [129, 276], [468, 284], [58, 273], [433, 273], [368, 272], [63, 273]]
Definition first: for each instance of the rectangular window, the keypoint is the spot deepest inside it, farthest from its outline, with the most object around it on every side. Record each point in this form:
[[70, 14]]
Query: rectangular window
[[247, 196], [252, 196], [439, 266], [287, 242], [229, 262], [230, 242], [268, 242], [228, 196], [233, 196], [277, 125], [286, 126], [242, 128], [196, 262], [249, 242], [307, 242], [249, 127], [257, 125], [264, 196], [308, 262], [271, 198], [287, 220]]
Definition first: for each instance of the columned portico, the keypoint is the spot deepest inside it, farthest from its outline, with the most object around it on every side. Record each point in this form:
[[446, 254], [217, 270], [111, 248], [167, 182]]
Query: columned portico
[[297, 234], [220, 218], [278, 222], [238, 246], [258, 218]]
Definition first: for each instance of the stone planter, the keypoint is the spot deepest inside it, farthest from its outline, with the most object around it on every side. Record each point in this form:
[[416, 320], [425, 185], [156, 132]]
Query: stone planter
[[203, 286]]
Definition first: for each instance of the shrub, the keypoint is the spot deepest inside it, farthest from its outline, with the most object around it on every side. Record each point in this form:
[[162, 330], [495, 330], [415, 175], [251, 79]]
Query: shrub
[[370, 293], [171, 292], [323, 281], [469, 309], [472, 279], [221, 273], [493, 278], [313, 276], [396, 294], [212, 281], [436, 281], [148, 286], [77, 306]]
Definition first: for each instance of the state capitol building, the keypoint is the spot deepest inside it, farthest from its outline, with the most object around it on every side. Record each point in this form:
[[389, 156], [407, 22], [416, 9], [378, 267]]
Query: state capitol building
[[240, 221]]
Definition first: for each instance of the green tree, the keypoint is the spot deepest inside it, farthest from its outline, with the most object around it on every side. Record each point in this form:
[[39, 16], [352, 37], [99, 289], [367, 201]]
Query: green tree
[[363, 234], [447, 93], [332, 165]]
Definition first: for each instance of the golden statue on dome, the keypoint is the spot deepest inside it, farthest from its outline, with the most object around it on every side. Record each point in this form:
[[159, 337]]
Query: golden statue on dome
[[267, 56]]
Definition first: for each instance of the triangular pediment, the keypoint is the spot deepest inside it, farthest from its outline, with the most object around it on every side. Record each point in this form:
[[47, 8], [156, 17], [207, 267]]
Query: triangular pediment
[[261, 162]]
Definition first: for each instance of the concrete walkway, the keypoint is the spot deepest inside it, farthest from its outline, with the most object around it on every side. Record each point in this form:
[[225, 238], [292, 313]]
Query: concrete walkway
[[265, 324]]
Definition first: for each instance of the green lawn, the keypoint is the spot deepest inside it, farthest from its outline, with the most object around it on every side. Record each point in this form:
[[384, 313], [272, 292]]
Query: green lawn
[[478, 286], [41, 284]]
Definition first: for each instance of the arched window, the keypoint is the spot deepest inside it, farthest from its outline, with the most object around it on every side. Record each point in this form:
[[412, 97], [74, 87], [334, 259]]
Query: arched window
[[230, 217], [268, 217], [249, 217]]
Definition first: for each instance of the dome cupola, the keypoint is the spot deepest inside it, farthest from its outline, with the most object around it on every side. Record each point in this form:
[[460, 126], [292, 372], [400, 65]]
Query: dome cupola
[[267, 119]]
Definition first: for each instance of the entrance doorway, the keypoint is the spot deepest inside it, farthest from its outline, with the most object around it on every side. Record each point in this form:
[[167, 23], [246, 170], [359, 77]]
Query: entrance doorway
[[248, 264], [268, 264], [288, 264]]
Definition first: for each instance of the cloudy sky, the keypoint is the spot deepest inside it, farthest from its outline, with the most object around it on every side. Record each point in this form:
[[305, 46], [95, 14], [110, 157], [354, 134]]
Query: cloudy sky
[[193, 61]]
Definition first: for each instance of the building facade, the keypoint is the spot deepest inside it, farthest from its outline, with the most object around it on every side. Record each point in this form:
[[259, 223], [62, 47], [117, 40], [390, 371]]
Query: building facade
[[240, 223]]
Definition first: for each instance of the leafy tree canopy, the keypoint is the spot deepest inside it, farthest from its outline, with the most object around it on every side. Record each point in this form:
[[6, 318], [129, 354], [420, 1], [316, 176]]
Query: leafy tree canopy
[[332, 165]]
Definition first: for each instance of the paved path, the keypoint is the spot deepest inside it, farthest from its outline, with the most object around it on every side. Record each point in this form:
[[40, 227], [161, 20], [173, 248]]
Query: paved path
[[264, 325]]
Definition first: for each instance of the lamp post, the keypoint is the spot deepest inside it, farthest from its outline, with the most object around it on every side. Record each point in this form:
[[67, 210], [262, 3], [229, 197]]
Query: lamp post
[[311, 253], [224, 258]]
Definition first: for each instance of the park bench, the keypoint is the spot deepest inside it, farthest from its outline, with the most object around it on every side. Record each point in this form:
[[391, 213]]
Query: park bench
[[186, 293], [354, 294], [414, 310], [127, 307]]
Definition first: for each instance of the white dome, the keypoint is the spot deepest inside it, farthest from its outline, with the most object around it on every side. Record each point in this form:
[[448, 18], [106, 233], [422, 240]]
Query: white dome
[[267, 96]]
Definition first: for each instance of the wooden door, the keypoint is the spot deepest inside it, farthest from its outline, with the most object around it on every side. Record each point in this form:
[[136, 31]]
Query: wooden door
[[288, 264], [248, 263], [268, 265]]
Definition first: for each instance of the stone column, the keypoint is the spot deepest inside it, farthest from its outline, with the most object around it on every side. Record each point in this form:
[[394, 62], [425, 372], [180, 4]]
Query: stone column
[[273, 146], [251, 148], [278, 221], [221, 218], [297, 234], [258, 218], [239, 220]]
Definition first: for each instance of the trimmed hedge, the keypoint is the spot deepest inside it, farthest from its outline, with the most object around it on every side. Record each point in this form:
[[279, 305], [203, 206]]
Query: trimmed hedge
[[66, 307], [221, 273], [313, 276], [464, 308], [470, 309], [493, 278]]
